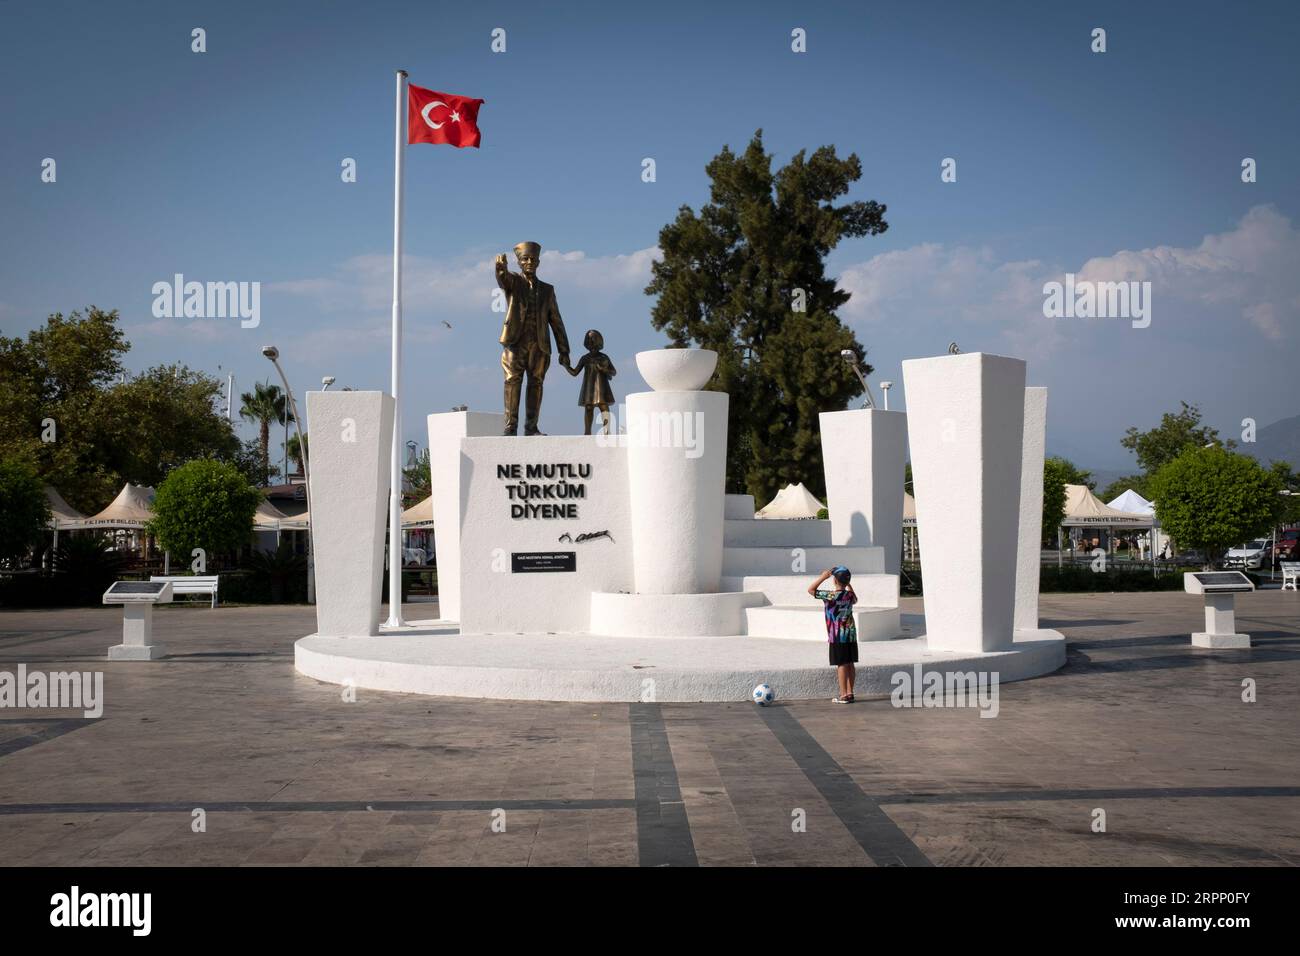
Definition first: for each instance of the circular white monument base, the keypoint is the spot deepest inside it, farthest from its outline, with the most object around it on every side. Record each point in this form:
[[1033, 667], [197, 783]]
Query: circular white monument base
[[439, 661], [667, 615]]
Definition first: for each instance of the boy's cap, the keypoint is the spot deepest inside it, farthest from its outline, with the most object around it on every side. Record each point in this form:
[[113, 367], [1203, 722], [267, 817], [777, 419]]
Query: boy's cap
[[841, 574]]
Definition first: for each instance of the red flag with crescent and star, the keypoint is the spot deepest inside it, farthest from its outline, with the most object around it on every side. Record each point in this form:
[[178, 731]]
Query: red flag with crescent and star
[[441, 118]]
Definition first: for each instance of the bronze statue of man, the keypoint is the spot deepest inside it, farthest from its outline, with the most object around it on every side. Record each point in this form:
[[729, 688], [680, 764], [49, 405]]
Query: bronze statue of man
[[531, 316]]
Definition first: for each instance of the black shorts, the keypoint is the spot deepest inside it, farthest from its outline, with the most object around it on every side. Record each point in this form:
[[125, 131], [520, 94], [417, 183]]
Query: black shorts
[[844, 653]]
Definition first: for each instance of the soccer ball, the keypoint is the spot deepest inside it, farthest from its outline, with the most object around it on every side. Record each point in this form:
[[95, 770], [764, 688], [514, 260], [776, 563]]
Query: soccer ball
[[763, 695]]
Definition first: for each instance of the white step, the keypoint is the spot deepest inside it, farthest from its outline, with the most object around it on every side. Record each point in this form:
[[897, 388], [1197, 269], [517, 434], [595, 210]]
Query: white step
[[775, 532], [808, 623], [874, 590], [740, 561], [738, 506]]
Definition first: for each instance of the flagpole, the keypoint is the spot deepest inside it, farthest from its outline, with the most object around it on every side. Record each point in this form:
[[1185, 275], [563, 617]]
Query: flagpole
[[395, 492]]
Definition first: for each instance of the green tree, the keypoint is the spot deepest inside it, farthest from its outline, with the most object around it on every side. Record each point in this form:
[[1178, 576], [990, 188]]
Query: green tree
[[162, 418], [204, 504], [1288, 482], [250, 461], [265, 404], [1176, 432], [1057, 473], [86, 564], [1071, 473], [417, 480], [1212, 498], [24, 510], [746, 278], [49, 384], [295, 449], [67, 404]]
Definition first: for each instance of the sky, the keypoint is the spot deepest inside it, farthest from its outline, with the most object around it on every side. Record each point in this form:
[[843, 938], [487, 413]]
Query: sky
[[225, 166]]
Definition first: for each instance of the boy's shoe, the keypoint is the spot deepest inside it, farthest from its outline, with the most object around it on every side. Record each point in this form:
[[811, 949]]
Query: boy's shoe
[[848, 699]]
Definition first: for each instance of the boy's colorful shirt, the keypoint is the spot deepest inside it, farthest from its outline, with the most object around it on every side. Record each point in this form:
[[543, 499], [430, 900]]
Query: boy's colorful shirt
[[840, 627]]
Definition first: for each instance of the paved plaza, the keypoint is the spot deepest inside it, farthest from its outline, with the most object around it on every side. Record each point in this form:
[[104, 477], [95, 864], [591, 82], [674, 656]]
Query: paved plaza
[[1138, 724]]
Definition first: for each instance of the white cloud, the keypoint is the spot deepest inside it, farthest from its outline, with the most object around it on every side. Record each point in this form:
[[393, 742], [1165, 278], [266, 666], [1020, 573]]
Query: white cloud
[[1248, 273], [463, 286]]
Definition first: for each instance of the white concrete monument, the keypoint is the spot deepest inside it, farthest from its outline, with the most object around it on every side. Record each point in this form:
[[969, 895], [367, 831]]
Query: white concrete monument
[[677, 469], [1030, 546], [612, 567], [863, 454], [966, 425], [351, 437], [545, 523], [446, 429]]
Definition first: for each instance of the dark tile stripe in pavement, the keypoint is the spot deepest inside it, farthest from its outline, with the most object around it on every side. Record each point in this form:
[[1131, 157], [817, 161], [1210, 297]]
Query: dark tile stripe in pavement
[[1117, 793], [49, 731], [875, 832], [662, 828], [313, 806]]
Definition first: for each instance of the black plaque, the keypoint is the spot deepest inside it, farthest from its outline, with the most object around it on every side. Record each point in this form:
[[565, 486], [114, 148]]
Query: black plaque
[[526, 561], [137, 587], [1224, 581]]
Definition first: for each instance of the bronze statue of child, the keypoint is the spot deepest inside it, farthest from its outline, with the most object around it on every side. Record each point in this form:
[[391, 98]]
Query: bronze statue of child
[[597, 370]]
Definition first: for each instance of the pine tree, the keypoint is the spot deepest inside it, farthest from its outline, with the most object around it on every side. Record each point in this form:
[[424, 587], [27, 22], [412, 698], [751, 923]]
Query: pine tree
[[746, 277]]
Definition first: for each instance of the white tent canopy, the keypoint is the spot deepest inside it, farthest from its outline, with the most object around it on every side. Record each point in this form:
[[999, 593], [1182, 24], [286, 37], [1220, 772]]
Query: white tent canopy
[[268, 517], [132, 507], [1132, 502], [419, 515], [295, 522], [909, 511], [792, 501], [62, 514], [1083, 509]]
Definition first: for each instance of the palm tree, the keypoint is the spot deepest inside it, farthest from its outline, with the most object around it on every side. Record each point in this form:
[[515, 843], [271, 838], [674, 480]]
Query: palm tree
[[265, 404], [296, 447]]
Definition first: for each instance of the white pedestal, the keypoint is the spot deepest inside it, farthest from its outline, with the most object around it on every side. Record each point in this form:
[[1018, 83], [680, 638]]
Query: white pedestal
[[677, 464], [1030, 545], [1220, 623], [350, 465], [965, 427], [533, 570], [864, 452], [446, 429], [137, 636]]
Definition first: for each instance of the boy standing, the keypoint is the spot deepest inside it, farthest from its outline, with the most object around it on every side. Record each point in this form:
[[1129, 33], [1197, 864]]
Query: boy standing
[[841, 630]]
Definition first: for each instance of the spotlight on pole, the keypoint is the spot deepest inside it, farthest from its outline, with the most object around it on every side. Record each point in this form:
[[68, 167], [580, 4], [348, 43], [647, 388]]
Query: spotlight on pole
[[852, 358], [884, 388], [271, 352], [326, 382]]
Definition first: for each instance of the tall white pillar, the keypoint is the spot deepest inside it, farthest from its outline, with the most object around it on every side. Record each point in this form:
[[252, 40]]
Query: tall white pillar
[[351, 441], [864, 453], [965, 427], [1030, 546], [446, 429], [677, 468]]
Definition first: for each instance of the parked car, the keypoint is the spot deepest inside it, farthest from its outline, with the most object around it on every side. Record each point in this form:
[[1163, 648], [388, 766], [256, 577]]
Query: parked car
[[1250, 557], [1288, 545]]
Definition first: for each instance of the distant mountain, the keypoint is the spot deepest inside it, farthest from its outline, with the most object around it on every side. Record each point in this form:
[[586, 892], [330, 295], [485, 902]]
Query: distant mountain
[[1277, 442]]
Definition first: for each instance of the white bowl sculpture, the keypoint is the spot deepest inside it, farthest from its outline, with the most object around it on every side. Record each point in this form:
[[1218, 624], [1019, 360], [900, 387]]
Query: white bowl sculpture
[[677, 370]]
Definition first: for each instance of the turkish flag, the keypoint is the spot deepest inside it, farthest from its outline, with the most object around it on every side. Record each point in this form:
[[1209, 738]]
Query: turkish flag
[[441, 117]]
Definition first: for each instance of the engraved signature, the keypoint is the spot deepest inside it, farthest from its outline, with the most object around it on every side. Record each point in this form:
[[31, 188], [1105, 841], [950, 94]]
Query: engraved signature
[[586, 536]]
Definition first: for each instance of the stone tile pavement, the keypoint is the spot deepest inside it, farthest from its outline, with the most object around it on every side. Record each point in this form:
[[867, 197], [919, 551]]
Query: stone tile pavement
[[1139, 725]]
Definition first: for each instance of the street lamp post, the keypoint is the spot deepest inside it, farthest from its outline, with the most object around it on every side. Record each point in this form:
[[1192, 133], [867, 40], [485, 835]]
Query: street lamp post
[[271, 352], [851, 357]]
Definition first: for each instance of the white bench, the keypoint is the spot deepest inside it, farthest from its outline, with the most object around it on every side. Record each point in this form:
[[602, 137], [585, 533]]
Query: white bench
[[191, 584], [1290, 575]]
